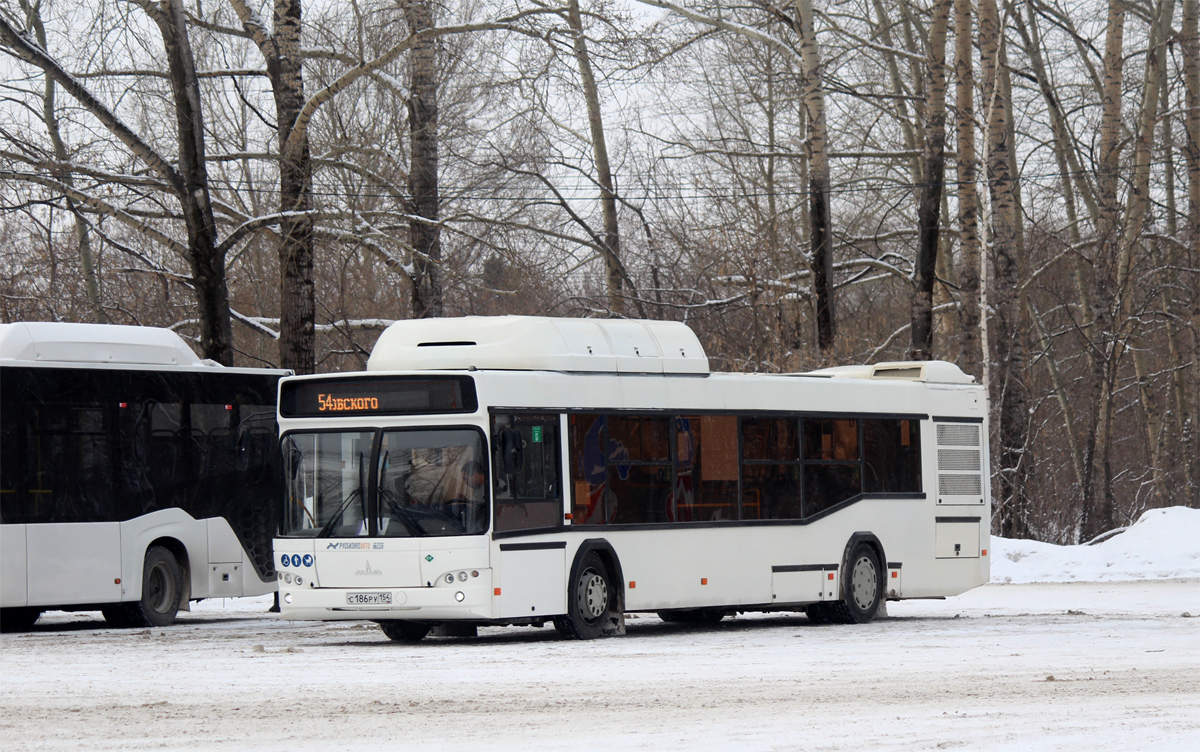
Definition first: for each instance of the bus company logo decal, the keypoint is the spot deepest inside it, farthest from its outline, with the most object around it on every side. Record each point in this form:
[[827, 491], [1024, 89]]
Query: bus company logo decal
[[352, 546], [367, 570]]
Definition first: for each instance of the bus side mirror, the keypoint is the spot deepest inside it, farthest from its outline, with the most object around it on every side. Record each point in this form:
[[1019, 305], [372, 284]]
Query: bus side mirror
[[512, 450]]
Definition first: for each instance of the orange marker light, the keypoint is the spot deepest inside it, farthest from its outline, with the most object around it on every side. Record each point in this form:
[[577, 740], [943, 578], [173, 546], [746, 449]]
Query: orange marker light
[[117, 581], [497, 591], [703, 580], [831, 575], [569, 516], [895, 575], [985, 552], [632, 584]]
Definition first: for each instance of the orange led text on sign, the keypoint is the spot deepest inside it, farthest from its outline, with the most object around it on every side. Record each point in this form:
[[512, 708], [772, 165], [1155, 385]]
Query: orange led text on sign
[[332, 404]]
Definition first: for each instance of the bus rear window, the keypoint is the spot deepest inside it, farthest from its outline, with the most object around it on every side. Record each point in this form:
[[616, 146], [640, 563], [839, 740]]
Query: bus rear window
[[416, 395]]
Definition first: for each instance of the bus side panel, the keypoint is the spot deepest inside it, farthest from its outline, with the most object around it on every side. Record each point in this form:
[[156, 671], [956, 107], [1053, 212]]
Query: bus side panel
[[139, 533], [13, 585], [73, 563], [532, 582]]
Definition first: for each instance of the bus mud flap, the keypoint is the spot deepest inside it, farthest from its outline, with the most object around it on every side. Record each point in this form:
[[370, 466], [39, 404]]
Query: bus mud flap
[[615, 625]]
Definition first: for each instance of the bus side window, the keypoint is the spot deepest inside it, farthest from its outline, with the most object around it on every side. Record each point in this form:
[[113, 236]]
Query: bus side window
[[531, 497]]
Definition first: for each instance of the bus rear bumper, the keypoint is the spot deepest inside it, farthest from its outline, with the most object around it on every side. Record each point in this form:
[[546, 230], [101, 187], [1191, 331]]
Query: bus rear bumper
[[465, 600]]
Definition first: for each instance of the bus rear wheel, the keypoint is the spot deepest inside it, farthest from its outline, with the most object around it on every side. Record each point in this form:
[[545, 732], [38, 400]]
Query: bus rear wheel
[[162, 589], [693, 615], [590, 599], [863, 588], [404, 631], [18, 619]]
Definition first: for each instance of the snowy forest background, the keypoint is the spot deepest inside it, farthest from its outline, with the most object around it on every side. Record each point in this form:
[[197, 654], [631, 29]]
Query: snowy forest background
[[1012, 185]]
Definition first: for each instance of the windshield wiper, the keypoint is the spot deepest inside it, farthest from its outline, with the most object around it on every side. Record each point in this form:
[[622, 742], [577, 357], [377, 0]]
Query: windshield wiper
[[341, 510]]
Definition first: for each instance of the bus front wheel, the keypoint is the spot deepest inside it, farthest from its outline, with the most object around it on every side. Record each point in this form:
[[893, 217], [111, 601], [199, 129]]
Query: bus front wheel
[[590, 599], [404, 631], [863, 588], [18, 619], [162, 589]]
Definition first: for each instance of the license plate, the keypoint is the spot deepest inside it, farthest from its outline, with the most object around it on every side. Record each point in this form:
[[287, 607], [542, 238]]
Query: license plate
[[368, 599]]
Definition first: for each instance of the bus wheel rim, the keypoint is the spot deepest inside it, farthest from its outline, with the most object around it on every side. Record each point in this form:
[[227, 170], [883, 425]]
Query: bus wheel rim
[[156, 587], [864, 582], [593, 595]]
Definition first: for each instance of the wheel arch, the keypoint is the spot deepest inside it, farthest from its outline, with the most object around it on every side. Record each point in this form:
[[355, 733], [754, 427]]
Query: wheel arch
[[603, 549], [180, 551], [862, 536]]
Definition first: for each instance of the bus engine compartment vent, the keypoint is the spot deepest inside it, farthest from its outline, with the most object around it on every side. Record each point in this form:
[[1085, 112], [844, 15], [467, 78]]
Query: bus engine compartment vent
[[959, 464]]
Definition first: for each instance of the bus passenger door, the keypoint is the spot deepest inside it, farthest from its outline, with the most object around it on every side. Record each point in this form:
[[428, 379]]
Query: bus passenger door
[[527, 495]]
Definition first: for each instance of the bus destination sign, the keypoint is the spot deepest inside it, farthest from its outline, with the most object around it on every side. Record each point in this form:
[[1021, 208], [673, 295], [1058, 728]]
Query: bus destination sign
[[333, 404], [397, 395]]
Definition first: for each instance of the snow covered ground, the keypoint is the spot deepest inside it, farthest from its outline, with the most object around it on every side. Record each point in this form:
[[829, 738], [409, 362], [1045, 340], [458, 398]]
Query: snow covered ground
[[1047, 661]]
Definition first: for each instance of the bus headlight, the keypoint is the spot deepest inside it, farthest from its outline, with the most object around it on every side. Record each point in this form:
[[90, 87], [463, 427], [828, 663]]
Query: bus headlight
[[299, 580], [462, 576], [460, 596], [450, 579], [287, 597]]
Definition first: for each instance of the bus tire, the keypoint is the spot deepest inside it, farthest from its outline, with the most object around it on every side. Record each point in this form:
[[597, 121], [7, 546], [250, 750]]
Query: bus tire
[[590, 598], [404, 631], [18, 619], [693, 615], [863, 587], [819, 613], [162, 589]]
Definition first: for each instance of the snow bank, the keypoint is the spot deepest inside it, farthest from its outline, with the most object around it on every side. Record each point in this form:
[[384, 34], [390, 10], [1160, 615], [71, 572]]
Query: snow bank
[[1163, 543]]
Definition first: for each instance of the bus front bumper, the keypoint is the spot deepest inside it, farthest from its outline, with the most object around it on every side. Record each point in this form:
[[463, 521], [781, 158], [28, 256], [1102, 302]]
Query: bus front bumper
[[461, 600]]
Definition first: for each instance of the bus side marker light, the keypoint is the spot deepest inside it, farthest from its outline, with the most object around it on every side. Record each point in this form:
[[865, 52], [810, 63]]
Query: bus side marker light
[[497, 591], [831, 575], [117, 581], [895, 575], [703, 580], [632, 584], [985, 552], [568, 516]]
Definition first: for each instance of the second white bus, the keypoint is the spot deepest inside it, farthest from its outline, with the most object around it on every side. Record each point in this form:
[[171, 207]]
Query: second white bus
[[520, 470]]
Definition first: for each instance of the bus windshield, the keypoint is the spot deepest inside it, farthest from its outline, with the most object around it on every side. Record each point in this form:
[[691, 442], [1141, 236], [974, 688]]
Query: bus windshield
[[401, 484]]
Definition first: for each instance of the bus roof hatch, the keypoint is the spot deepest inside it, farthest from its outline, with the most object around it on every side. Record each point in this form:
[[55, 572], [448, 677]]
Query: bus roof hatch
[[59, 342], [537, 343]]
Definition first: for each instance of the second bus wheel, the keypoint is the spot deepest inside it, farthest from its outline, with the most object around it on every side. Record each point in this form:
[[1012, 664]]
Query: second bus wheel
[[18, 619], [162, 589], [404, 631], [590, 597]]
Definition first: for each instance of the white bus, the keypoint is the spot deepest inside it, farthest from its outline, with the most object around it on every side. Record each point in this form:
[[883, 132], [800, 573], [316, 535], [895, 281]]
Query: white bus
[[134, 477], [519, 470]]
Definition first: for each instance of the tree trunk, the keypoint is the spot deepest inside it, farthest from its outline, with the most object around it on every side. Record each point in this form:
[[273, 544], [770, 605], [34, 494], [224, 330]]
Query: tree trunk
[[1190, 43], [424, 231], [614, 268], [297, 294], [968, 198], [817, 151], [930, 203], [208, 266], [1007, 388], [50, 117], [1135, 219], [1098, 513]]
